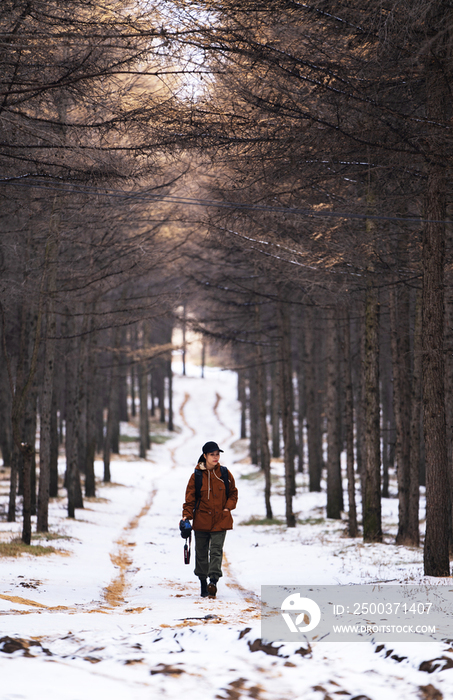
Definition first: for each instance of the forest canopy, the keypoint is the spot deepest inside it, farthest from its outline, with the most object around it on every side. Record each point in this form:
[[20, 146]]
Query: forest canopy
[[281, 173]]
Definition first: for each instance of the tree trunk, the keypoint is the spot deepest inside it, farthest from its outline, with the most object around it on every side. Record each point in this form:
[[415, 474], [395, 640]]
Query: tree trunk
[[92, 398], [27, 475], [53, 457], [82, 388], [254, 416], [133, 375], [287, 403], [386, 403], [5, 414], [372, 527], [438, 109], [242, 398], [203, 356], [152, 393], [49, 438], [275, 409], [123, 413], [413, 534], [72, 478], [16, 459], [47, 392], [16, 420], [30, 421], [301, 407], [132, 385], [99, 420], [261, 400], [400, 343], [334, 487], [448, 355], [349, 427], [436, 552], [358, 386], [184, 346], [386, 382], [112, 406], [314, 431], [143, 396], [28, 452], [170, 393], [159, 376]]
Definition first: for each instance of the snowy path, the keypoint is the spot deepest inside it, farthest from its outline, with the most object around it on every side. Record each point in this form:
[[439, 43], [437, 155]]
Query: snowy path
[[119, 615]]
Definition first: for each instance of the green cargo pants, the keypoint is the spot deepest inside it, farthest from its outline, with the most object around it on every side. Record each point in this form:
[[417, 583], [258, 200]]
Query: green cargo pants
[[208, 554]]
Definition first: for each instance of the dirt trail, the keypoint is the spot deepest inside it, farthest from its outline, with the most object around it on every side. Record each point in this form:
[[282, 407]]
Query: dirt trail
[[249, 597], [184, 421], [216, 413], [32, 603], [250, 606], [182, 414], [122, 559], [114, 594]]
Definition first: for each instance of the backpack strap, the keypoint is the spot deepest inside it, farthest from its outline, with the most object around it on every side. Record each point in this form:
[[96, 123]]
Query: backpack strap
[[199, 480], [226, 481]]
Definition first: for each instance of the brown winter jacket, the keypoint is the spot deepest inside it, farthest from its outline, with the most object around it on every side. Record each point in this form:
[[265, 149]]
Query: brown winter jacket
[[210, 515]]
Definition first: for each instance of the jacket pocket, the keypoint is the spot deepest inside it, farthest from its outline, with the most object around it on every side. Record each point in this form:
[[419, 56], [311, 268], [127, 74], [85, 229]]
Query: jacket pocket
[[226, 521], [202, 520]]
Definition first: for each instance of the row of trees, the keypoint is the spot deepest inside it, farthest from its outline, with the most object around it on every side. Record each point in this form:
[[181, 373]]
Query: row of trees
[[321, 136], [327, 135], [85, 294]]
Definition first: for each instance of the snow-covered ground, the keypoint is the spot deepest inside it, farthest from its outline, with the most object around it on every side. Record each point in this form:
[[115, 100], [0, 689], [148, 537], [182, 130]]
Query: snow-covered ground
[[117, 614]]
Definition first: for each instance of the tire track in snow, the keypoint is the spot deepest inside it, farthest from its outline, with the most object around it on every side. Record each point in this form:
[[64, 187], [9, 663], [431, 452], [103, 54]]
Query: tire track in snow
[[184, 421], [122, 559], [187, 398], [115, 591], [249, 605], [216, 413], [249, 597]]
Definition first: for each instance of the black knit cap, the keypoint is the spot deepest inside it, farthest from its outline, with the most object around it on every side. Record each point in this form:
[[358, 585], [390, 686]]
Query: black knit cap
[[210, 447]]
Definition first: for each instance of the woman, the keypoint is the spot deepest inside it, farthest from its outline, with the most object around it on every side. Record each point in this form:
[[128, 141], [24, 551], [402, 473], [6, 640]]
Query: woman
[[210, 496]]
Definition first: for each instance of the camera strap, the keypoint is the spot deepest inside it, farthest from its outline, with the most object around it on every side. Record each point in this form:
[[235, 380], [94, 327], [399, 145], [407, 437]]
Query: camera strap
[[187, 547]]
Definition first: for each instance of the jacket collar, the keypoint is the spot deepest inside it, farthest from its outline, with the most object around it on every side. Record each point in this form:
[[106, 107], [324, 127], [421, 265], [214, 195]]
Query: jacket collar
[[203, 467]]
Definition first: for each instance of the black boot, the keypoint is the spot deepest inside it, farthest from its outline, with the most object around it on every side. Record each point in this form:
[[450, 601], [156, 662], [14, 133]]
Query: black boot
[[212, 588], [204, 588]]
